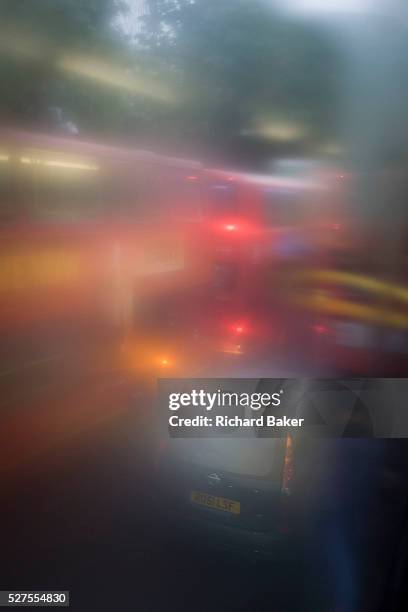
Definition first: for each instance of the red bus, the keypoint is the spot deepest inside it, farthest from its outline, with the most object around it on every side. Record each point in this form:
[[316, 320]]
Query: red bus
[[95, 237]]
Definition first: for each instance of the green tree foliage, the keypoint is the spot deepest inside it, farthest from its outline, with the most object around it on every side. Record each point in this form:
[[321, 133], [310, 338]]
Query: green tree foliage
[[239, 65], [202, 75], [35, 37]]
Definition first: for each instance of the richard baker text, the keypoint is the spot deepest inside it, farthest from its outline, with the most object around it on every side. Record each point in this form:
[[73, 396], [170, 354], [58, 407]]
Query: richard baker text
[[235, 421]]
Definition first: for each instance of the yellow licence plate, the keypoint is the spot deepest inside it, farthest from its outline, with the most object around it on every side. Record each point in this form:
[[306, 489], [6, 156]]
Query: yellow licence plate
[[217, 503]]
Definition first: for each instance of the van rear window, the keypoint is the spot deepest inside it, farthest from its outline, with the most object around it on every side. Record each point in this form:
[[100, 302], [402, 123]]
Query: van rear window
[[255, 457]]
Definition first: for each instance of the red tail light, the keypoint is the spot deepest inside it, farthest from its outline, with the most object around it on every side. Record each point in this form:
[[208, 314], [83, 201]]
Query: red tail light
[[239, 328], [284, 524], [240, 227], [288, 472], [320, 329]]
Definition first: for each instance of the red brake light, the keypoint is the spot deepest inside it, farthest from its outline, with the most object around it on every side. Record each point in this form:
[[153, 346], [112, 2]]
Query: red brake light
[[287, 476], [230, 227], [238, 328], [320, 329], [287, 480]]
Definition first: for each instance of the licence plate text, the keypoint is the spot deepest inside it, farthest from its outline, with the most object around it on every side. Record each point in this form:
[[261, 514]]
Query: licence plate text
[[217, 503]]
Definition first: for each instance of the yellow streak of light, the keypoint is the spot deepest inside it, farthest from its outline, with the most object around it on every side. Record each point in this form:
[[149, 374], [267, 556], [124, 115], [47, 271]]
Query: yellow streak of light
[[346, 308], [21, 44], [359, 282], [59, 163], [279, 130], [115, 76], [79, 166]]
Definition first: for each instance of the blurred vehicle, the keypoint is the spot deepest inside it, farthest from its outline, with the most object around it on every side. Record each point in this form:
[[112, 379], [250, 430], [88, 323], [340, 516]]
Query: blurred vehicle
[[95, 237], [228, 493], [309, 274], [352, 296], [255, 231], [358, 323]]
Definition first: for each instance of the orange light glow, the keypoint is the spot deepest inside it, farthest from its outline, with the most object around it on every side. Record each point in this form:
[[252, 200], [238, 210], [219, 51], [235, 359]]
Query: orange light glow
[[232, 349]]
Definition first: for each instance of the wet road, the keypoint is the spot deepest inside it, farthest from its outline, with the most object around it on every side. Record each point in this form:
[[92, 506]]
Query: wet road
[[78, 500], [83, 519], [77, 470]]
